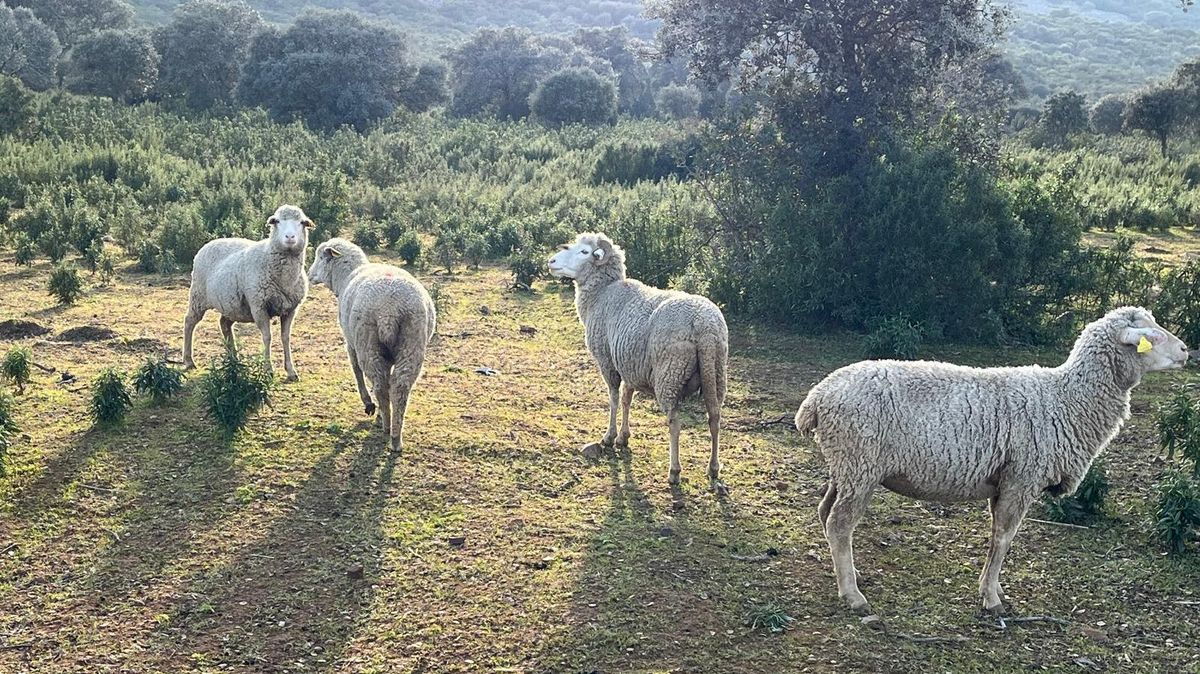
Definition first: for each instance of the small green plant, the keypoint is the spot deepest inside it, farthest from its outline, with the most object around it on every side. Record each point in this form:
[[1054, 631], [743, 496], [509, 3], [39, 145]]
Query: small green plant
[[439, 297], [771, 617], [107, 267], [65, 284], [8, 426], [475, 249], [110, 397], [1177, 513], [234, 389], [1176, 418], [409, 247], [894, 337], [526, 268], [26, 250], [447, 251], [158, 380], [1087, 503], [17, 367], [147, 257], [367, 235]]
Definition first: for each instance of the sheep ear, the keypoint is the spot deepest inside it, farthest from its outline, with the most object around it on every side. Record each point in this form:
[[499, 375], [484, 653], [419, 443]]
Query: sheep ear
[[272, 221], [308, 224], [334, 252], [598, 254], [1143, 338]]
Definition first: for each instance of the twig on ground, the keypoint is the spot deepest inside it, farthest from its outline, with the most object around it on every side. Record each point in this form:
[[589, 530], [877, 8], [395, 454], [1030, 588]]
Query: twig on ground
[[8, 547], [43, 368], [783, 420], [1003, 622], [922, 639], [95, 488], [1056, 524]]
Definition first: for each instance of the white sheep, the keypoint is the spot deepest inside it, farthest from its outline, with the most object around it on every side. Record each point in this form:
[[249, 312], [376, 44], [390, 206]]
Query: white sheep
[[943, 432], [252, 282], [387, 318], [666, 344]]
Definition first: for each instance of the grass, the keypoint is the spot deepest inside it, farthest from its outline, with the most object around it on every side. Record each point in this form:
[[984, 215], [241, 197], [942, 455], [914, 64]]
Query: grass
[[491, 544]]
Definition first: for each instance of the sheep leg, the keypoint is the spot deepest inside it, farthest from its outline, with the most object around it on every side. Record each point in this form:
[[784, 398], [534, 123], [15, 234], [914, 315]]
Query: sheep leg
[[193, 317], [227, 333], [673, 421], [626, 401], [714, 432], [845, 512], [263, 323], [285, 336], [368, 404], [404, 375], [1008, 509], [826, 503], [613, 379], [379, 372]]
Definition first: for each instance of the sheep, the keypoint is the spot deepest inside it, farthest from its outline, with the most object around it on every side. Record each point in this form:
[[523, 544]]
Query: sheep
[[666, 344], [942, 432], [252, 282], [387, 319]]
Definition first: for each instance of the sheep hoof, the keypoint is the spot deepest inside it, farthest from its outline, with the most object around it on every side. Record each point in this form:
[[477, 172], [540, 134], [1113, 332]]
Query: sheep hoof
[[720, 488], [622, 441], [996, 611], [673, 477], [863, 609], [396, 446], [292, 376], [369, 408], [607, 441]]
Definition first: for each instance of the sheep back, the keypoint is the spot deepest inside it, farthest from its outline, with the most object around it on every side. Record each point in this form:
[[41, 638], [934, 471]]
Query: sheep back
[[384, 307], [232, 275]]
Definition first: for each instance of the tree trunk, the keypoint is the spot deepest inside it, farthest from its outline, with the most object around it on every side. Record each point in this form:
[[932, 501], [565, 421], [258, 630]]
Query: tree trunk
[[1162, 143]]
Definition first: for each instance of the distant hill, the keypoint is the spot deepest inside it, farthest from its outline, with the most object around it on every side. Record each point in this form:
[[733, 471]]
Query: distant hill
[[1093, 46], [1098, 47]]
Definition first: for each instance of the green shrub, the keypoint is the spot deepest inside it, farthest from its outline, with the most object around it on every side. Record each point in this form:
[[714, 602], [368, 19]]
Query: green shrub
[[367, 235], [147, 257], [17, 367], [574, 96], [475, 249], [1087, 503], [234, 389], [110, 397], [1177, 513], [26, 250], [8, 426], [409, 247], [1178, 306], [1177, 419], [894, 337], [526, 268], [65, 284], [447, 250], [158, 380]]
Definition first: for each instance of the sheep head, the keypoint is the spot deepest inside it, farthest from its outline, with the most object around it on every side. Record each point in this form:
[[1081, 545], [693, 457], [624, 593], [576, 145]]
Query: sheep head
[[590, 252], [288, 230], [333, 257], [1131, 343]]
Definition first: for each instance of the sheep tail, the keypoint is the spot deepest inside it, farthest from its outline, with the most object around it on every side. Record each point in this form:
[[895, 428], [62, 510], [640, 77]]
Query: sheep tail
[[806, 416], [711, 360]]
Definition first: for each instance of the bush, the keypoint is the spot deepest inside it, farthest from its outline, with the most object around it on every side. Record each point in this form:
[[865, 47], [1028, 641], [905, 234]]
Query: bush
[[447, 250], [526, 267], [65, 284], [147, 257], [234, 389], [1177, 419], [409, 247], [1087, 503], [575, 96], [158, 380], [110, 397], [894, 337], [367, 235], [26, 251], [17, 367], [1178, 306], [475, 249], [1177, 513], [8, 426], [678, 101]]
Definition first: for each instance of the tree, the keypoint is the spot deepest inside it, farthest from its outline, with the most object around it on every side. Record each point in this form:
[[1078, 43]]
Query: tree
[[614, 46], [1157, 111], [330, 68], [203, 50], [495, 72], [677, 101], [16, 106], [428, 88], [842, 70], [28, 48], [575, 96], [73, 19], [119, 64], [1062, 115], [1107, 116]]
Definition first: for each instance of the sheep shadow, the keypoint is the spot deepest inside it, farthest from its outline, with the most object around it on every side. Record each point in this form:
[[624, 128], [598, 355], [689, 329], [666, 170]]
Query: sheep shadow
[[655, 587], [298, 591]]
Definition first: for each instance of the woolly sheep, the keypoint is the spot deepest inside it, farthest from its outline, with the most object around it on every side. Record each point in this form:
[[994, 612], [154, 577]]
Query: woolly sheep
[[387, 319], [252, 282], [662, 343], [943, 432]]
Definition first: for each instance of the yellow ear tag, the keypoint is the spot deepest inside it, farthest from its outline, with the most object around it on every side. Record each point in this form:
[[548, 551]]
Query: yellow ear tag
[[1144, 345]]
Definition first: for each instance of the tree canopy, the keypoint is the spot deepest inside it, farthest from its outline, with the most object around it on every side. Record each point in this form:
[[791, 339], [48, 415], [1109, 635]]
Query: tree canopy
[[203, 50]]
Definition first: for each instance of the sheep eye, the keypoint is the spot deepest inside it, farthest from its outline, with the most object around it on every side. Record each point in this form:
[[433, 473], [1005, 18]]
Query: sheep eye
[[583, 252]]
